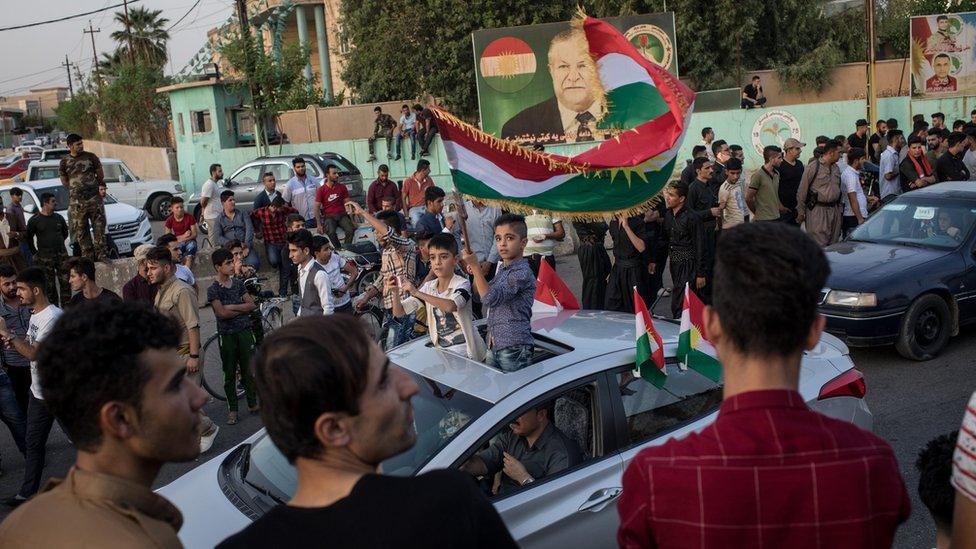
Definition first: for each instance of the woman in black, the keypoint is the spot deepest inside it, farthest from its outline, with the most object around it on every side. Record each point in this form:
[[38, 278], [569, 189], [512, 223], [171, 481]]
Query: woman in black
[[594, 262], [628, 268]]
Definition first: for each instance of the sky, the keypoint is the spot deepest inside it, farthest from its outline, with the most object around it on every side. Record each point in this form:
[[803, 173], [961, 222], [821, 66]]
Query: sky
[[32, 57]]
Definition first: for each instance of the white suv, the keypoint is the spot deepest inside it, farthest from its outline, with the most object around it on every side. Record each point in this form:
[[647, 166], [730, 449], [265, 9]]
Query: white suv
[[152, 195], [128, 227]]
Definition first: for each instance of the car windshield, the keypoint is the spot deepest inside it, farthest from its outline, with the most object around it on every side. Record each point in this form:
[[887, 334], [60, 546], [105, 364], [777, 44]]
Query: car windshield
[[440, 413], [345, 167], [61, 197], [44, 172], [920, 222]]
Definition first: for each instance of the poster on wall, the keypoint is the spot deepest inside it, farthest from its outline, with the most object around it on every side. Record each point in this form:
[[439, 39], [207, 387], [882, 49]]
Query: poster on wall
[[943, 55], [538, 83]]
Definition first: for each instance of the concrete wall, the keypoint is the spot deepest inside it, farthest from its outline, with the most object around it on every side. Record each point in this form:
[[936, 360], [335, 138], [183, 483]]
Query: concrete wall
[[336, 123], [146, 162]]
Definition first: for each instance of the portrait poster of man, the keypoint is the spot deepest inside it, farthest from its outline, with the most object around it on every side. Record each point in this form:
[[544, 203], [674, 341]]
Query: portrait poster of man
[[943, 58], [538, 85]]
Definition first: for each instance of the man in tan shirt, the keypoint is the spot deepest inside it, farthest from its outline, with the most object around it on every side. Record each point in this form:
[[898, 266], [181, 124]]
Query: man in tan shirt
[[178, 300], [111, 374], [822, 176]]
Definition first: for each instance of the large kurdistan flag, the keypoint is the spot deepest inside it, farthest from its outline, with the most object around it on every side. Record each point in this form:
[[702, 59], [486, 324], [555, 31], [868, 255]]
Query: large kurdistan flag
[[647, 106]]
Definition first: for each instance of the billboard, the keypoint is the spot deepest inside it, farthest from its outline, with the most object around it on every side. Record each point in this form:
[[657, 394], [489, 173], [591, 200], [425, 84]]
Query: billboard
[[536, 82], [943, 58]]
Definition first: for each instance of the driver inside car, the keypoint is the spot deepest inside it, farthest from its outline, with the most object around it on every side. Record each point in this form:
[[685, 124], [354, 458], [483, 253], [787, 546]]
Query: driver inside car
[[946, 226], [531, 449]]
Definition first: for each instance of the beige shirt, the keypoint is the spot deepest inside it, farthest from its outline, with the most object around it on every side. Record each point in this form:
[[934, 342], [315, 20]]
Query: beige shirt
[[93, 510], [177, 300]]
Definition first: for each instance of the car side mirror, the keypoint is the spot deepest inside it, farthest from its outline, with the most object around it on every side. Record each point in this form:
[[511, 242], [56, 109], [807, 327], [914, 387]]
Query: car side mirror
[[30, 208]]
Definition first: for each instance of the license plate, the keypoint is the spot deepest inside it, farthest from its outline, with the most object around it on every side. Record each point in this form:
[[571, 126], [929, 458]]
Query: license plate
[[124, 246]]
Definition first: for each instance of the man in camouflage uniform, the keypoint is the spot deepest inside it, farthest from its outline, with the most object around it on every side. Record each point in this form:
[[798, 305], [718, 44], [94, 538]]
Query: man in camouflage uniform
[[81, 172], [382, 128]]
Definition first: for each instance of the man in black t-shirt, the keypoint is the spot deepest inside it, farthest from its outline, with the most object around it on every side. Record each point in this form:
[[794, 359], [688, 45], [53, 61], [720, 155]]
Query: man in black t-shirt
[[753, 95], [790, 174], [874, 143], [859, 139], [81, 277], [337, 408]]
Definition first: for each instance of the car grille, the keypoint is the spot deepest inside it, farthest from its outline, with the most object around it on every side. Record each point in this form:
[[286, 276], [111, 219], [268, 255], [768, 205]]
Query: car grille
[[124, 230]]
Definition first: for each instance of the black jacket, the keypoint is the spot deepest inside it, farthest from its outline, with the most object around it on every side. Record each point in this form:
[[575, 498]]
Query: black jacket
[[951, 168], [541, 118]]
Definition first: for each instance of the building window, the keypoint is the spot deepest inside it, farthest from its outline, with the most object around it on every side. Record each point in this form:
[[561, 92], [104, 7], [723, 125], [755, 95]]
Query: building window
[[245, 124], [179, 124], [344, 46], [200, 121]]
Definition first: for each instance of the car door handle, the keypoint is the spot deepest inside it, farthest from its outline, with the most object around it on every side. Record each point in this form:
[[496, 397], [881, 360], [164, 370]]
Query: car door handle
[[600, 499]]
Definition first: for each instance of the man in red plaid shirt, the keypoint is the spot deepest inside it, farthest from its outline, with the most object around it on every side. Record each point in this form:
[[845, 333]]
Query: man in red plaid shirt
[[769, 472], [269, 221]]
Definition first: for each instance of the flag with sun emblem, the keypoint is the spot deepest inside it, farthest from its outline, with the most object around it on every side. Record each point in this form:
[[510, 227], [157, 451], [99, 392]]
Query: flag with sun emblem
[[646, 107]]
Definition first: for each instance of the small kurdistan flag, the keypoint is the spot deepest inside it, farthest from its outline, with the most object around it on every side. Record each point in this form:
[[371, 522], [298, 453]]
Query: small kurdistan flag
[[649, 360], [694, 348], [507, 64]]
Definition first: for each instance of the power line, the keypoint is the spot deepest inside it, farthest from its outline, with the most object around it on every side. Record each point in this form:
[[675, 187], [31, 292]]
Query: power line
[[29, 75], [38, 23], [185, 15], [31, 86]]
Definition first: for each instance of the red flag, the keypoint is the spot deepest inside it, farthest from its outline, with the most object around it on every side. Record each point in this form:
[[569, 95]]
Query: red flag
[[551, 293]]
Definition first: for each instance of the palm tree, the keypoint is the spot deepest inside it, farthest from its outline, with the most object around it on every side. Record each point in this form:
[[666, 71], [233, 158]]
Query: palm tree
[[147, 34], [108, 65]]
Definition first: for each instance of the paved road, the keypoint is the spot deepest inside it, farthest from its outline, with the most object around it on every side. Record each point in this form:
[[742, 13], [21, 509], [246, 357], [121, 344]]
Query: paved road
[[912, 402]]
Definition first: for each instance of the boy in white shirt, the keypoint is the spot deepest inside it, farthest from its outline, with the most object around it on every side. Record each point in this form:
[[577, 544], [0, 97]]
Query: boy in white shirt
[[334, 266], [447, 299]]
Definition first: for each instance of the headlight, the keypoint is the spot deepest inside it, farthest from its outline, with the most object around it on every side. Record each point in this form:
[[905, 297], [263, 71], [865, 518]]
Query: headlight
[[841, 298], [142, 216], [179, 188]]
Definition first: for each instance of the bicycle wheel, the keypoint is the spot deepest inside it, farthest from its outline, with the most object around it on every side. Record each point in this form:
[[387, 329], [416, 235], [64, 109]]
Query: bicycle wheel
[[272, 319], [212, 368], [365, 282], [372, 320]]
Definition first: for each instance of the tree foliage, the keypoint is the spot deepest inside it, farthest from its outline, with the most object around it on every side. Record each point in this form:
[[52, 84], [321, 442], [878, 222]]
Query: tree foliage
[[147, 34], [130, 108], [76, 115]]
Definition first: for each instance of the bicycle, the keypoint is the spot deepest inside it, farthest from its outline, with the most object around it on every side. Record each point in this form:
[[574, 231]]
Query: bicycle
[[272, 318]]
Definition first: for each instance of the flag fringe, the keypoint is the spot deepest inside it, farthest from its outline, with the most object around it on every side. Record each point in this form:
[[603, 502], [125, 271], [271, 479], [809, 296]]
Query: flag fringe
[[525, 209]]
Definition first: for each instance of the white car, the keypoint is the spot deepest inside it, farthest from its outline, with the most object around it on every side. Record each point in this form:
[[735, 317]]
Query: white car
[[582, 365], [152, 195], [31, 148], [126, 226]]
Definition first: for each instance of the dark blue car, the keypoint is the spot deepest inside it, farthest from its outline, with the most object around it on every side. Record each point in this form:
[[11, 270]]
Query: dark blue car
[[907, 275]]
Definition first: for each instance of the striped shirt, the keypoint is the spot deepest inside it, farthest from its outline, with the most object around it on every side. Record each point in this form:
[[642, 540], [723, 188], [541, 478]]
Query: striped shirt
[[964, 459], [540, 225]]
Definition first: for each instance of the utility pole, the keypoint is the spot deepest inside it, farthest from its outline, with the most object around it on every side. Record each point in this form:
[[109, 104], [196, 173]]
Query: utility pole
[[91, 30], [67, 68], [249, 64], [872, 95], [128, 29]]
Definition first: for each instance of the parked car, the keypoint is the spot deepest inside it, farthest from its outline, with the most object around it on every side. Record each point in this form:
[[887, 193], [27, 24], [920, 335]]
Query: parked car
[[127, 227], [582, 363], [246, 180], [31, 148], [54, 154], [152, 195], [14, 168], [907, 276]]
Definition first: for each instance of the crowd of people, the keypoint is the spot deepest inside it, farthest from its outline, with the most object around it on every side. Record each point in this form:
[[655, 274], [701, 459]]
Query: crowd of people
[[830, 194], [121, 375]]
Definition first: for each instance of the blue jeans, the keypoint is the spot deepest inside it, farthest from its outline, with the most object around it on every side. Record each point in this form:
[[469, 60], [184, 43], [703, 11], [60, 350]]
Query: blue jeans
[[28, 256], [275, 255], [412, 134], [188, 248], [510, 359], [311, 223], [401, 328], [10, 412], [252, 258], [415, 214]]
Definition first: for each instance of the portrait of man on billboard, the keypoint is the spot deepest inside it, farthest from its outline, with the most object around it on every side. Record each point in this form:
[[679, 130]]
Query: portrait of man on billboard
[[942, 81], [571, 114]]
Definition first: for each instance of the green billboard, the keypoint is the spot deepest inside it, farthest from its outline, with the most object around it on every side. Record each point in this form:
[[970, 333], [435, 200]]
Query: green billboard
[[537, 83]]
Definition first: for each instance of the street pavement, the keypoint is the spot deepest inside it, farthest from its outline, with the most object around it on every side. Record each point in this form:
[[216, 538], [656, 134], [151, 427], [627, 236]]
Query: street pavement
[[912, 402]]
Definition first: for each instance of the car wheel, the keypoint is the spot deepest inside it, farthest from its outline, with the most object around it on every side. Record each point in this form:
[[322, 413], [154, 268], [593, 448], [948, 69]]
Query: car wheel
[[202, 226], [160, 206], [925, 329]]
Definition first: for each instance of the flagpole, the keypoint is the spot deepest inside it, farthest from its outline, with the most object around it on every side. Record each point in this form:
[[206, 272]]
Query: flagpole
[[462, 216]]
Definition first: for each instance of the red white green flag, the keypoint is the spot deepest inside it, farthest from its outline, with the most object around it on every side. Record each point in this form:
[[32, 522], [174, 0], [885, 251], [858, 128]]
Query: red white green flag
[[551, 293], [649, 358], [648, 109], [694, 348]]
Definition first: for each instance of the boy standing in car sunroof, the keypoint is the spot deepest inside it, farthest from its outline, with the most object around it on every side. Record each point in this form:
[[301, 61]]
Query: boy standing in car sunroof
[[508, 297], [447, 299]]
